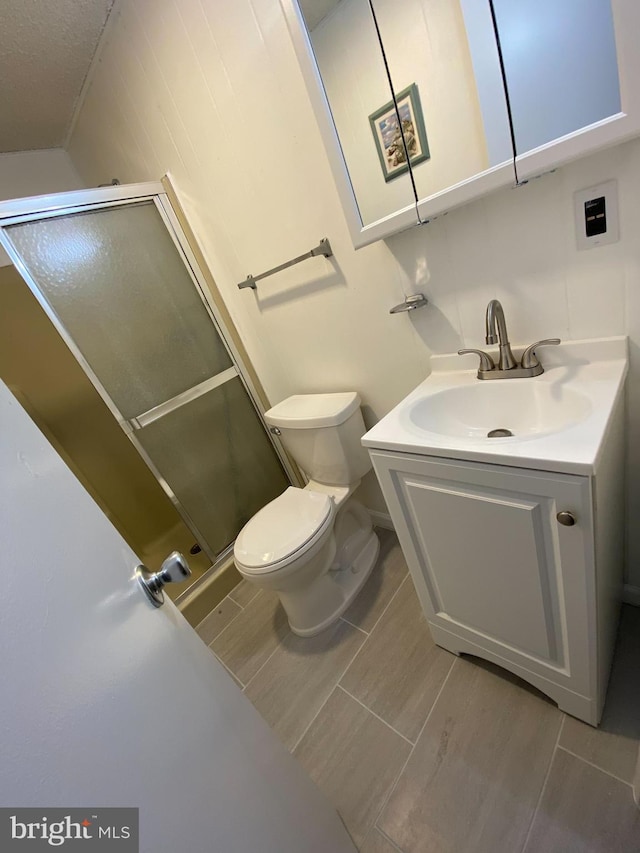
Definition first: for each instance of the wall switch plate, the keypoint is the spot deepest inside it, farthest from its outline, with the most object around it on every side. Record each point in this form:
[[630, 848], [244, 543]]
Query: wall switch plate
[[596, 215]]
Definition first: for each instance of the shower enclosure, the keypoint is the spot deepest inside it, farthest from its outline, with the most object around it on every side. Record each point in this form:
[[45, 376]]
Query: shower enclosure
[[116, 276]]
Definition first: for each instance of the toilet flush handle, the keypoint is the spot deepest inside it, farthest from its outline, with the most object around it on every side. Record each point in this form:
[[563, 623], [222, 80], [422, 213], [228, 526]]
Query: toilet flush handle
[[274, 431], [174, 570]]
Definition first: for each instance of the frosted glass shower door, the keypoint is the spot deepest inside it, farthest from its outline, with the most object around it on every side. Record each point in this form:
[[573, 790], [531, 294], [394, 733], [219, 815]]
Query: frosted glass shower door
[[119, 290]]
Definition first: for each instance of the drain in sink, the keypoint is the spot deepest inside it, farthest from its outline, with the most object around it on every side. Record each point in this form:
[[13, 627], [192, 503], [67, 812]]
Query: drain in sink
[[499, 433]]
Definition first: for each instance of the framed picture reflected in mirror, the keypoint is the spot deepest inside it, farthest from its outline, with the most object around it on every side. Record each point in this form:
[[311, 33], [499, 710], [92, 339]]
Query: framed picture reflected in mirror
[[389, 138]]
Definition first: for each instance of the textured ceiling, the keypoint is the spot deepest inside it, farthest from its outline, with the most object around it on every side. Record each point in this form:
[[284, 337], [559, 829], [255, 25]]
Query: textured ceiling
[[46, 47], [313, 11]]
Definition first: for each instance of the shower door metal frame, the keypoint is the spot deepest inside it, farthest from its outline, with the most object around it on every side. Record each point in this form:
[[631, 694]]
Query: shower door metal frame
[[36, 208]]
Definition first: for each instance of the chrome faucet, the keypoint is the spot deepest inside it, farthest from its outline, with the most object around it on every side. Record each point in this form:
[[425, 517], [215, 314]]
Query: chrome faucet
[[495, 317], [507, 367]]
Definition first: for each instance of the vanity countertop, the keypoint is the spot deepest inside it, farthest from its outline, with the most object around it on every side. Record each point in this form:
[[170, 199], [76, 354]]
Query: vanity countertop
[[448, 414]]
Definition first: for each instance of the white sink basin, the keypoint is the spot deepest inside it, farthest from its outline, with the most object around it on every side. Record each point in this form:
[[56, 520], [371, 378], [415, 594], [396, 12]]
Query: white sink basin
[[521, 407], [558, 419]]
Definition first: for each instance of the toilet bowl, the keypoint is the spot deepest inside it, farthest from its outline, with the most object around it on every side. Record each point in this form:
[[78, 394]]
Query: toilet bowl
[[314, 546]]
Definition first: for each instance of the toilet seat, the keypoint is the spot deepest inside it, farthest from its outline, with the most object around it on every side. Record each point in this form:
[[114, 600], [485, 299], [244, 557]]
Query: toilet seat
[[283, 529]]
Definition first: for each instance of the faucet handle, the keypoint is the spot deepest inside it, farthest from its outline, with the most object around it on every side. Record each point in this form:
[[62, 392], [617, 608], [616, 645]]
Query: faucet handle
[[486, 362], [529, 359]]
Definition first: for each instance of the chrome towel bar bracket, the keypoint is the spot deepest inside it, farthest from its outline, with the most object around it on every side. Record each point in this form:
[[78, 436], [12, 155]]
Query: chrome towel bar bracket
[[323, 248]]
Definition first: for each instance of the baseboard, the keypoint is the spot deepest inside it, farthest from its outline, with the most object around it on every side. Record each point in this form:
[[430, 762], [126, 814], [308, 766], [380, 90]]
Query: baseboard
[[383, 519], [195, 606], [630, 594]]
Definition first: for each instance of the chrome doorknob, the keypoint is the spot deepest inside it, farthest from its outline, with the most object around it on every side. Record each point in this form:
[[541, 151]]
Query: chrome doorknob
[[173, 570], [566, 518]]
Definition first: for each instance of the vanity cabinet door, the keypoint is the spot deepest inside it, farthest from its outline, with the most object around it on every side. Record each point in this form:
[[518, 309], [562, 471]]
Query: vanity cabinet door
[[495, 571]]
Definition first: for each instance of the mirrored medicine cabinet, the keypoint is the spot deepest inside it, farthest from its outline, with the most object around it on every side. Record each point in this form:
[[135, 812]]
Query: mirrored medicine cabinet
[[425, 105]]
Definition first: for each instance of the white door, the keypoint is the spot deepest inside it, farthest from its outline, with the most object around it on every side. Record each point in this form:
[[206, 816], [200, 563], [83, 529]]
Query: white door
[[107, 701]]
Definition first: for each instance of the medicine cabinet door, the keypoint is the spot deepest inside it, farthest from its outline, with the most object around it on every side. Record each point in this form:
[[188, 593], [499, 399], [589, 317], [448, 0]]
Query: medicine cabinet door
[[352, 86], [571, 71], [444, 65]]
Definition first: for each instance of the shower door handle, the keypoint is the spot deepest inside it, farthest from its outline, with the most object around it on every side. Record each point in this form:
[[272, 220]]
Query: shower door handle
[[175, 569]]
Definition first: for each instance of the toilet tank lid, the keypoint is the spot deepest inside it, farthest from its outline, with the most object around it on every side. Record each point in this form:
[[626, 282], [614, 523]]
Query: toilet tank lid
[[308, 411]]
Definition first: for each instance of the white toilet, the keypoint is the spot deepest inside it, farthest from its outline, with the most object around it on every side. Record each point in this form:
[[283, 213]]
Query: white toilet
[[314, 546]]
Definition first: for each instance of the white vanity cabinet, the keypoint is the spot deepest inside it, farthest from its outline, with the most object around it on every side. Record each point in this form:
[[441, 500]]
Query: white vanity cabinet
[[500, 577]]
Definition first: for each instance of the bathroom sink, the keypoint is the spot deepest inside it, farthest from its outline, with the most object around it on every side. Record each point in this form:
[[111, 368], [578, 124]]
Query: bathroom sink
[[552, 422], [496, 411]]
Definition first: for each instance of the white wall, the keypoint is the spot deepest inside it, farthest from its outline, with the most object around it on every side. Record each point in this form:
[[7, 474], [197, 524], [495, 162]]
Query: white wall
[[26, 173], [213, 93]]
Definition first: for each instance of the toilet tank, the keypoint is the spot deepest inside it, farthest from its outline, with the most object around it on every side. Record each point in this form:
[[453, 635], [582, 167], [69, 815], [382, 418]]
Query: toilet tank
[[322, 433]]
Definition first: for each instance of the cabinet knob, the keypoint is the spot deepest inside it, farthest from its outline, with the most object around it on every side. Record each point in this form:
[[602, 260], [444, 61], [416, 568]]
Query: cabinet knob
[[566, 518]]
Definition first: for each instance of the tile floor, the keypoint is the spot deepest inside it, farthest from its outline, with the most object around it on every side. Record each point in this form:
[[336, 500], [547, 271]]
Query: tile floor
[[422, 751]]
